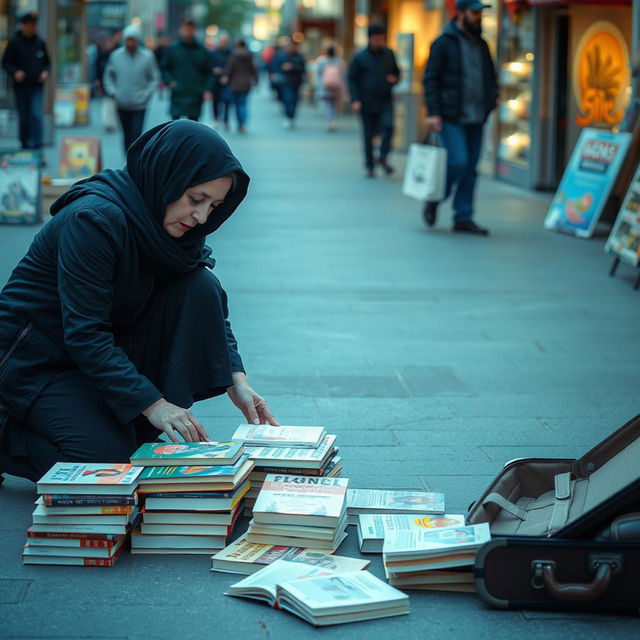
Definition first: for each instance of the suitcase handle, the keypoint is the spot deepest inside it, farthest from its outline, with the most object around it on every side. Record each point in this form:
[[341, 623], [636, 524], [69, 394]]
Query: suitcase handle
[[575, 591]]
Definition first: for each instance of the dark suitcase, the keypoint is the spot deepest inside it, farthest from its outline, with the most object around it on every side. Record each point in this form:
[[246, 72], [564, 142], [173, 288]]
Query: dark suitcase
[[565, 535]]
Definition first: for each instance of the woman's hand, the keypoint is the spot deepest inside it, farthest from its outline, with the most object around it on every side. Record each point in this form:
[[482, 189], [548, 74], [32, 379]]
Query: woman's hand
[[169, 418], [254, 408]]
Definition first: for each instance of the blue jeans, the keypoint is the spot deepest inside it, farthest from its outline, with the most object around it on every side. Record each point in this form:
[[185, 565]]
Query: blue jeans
[[373, 124], [240, 101], [463, 144], [29, 105], [290, 94]]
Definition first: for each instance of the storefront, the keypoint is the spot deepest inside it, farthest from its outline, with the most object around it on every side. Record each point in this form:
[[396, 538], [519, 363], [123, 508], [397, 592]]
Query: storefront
[[562, 66]]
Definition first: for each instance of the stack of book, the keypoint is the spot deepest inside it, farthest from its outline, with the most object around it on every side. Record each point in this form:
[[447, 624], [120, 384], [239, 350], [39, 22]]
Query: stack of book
[[378, 501], [300, 511], [433, 558], [323, 590], [83, 514], [302, 451], [192, 495]]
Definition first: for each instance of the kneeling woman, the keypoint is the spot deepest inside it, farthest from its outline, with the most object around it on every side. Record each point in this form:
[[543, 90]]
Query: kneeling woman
[[113, 325]]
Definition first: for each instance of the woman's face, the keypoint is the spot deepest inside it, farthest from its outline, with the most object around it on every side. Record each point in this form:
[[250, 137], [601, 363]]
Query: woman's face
[[194, 206]]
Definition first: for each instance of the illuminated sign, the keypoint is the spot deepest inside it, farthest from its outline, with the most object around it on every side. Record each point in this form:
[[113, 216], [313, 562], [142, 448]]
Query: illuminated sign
[[601, 75]]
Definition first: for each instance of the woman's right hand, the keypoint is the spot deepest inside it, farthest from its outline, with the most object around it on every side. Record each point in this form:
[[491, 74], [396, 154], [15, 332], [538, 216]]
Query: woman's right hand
[[170, 418]]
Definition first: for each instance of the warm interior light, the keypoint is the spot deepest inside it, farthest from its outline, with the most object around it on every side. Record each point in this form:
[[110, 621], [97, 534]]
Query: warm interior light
[[136, 22], [298, 37], [362, 20], [212, 29], [529, 57]]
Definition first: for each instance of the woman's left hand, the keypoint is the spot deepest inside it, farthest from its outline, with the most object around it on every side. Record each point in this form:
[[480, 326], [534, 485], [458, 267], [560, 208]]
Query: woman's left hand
[[254, 407]]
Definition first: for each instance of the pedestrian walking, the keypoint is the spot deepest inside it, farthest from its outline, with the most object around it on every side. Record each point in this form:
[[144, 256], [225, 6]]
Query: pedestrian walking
[[460, 91], [113, 323], [186, 70], [130, 78], [242, 76], [330, 81], [222, 97], [372, 74], [26, 60], [290, 71]]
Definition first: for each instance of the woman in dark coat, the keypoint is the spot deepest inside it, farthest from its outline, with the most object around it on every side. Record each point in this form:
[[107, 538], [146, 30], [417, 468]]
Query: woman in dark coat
[[113, 324], [241, 76]]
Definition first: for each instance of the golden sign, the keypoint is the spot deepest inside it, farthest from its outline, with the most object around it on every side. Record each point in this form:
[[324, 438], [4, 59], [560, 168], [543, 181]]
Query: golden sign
[[601, 75]]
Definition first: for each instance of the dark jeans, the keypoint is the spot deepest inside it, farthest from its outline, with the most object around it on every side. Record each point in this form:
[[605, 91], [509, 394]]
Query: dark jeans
[[373, 124], [463, 144], [29, 105], [221, 103], [171, 344], [132, 123], [240, 101], [290, 94]]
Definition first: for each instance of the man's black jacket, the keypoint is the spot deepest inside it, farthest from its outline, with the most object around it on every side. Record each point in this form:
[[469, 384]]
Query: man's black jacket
[[28, 55], [368, 83], [443, 76]]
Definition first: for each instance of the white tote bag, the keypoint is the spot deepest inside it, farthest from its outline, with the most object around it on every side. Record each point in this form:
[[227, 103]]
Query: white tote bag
[[426, 174], [109, 114]]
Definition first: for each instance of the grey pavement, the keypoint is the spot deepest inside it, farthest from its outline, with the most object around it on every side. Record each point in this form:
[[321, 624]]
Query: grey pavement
[[435, 358]]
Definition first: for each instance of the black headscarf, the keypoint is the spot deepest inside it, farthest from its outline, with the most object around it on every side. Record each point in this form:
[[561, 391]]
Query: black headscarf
[[161, 164]]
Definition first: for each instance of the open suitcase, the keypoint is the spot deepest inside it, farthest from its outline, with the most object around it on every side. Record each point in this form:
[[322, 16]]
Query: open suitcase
[[566, 531]]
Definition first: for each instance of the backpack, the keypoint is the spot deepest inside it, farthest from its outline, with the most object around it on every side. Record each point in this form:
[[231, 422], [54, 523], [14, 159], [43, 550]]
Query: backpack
[[332, 78]]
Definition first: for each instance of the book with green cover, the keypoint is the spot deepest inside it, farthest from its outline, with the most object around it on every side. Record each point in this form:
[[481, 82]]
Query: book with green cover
[[89, 478], [159, 454], [194, 473]]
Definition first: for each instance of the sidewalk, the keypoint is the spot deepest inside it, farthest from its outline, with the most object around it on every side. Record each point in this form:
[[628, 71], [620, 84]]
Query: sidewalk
[[435, 358]]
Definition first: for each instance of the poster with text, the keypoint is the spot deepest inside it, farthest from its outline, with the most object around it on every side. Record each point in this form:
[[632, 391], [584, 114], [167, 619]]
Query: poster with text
[[20, 187], [587, 182], [624, 239]]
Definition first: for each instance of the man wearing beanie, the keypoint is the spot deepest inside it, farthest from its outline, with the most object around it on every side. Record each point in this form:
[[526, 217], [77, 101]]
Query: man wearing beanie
[[131, 76], [460, 90], [372, 74], [26, 60]]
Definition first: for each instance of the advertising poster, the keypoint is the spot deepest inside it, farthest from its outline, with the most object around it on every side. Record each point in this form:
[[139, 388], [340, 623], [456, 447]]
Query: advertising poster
[[624, 240], [79, 157], [587, 182], [20, 187]]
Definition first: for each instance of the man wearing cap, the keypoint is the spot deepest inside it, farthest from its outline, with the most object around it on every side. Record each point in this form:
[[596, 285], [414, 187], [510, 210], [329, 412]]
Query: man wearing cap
[[130, 77], [26, 60], [460, 92]]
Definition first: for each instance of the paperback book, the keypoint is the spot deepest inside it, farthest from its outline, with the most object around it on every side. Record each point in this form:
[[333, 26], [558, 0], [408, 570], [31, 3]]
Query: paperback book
[[72, 560], [93, 479], [301, 500], [260, 435], [293, 457], [196, 501], [160, 454]]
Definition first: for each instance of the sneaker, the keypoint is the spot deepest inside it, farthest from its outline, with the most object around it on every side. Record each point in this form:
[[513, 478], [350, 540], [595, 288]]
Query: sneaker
[[430, 213], [469, 226], [371, 173]]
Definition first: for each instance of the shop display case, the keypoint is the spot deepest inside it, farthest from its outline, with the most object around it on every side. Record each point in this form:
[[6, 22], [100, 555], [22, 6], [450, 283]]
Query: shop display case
[[516, 76]]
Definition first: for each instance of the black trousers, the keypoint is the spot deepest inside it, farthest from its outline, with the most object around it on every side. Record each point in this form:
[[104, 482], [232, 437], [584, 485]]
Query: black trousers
[[132, 123], [179, 343], [373, 124]]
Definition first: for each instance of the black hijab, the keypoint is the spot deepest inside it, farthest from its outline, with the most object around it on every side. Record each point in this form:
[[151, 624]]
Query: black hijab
[[161, 164]]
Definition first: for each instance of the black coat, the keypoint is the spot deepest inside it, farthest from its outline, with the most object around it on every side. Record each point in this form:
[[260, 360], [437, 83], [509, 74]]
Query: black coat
[[443, 76], [368, 82], [295, 76], [28, 55], [91, 271]]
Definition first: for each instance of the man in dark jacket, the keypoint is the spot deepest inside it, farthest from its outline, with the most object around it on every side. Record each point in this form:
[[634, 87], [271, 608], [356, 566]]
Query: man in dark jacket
[[372, 74], [221, 94], [186, 70], [26, 60], [460, 91], [289, 65]]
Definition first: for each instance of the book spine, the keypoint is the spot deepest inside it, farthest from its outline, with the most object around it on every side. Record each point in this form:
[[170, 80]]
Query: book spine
[[191, 494], [112, 537], [99, 562], [61, 500], [98, 511]]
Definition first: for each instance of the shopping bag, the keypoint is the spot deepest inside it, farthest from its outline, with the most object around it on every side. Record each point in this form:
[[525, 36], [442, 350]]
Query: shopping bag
[[426, 174], [109, 116]]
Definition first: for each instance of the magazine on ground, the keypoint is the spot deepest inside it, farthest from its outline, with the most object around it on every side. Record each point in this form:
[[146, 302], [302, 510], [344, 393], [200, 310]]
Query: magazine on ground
[[260, 435], [83, 478], [372, 526], [392, 501]]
